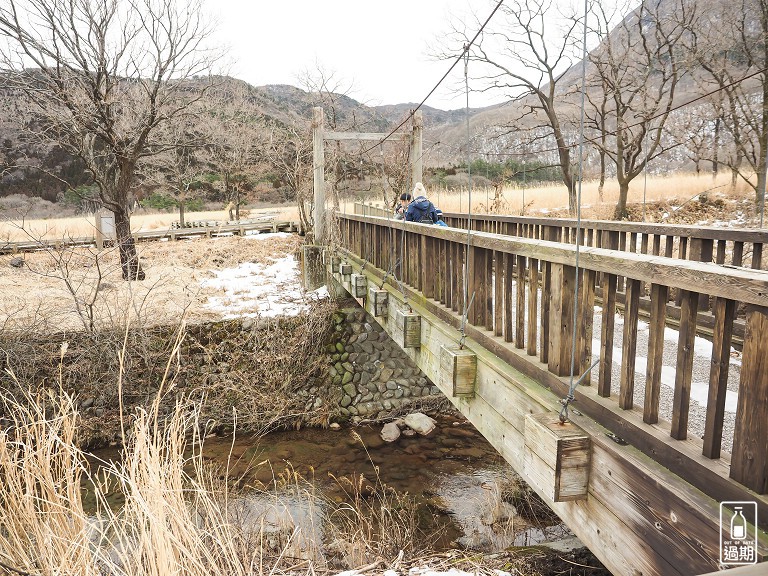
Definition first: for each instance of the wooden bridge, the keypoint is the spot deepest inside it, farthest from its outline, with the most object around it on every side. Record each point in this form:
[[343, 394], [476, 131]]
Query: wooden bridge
[[203, 230], [625, 473]]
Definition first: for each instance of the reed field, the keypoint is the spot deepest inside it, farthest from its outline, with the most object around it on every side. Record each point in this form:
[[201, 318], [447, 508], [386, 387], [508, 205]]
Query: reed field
[[551, 199]]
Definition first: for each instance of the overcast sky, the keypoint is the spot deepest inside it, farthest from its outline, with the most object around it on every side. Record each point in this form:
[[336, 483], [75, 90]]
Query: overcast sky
[[381, 48]]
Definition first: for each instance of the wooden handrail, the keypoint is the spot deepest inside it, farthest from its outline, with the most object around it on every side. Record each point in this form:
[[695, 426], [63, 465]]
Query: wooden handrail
[[504, 271]]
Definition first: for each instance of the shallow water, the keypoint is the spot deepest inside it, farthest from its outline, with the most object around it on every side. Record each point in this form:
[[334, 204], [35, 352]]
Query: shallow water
[[454, 475]]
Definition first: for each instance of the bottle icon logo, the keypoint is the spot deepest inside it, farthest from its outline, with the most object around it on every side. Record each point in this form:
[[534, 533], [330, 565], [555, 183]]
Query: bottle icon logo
[[738, 533], [738, 525]]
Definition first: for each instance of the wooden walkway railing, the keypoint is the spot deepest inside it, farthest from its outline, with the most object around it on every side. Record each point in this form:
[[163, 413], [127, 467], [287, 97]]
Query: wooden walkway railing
[[524, 291]]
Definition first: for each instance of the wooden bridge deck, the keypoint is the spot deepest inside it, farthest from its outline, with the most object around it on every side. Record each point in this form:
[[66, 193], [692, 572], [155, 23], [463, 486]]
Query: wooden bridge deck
[[653, 500]]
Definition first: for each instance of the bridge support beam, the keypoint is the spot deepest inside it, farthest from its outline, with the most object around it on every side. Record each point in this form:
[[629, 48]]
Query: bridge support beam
[[639, 518]]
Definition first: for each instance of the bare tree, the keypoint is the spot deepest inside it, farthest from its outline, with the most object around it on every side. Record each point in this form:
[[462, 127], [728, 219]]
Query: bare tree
[[103, 76], [235, 133], [289, 152], [523, 54], [639, 63], [732, 44]]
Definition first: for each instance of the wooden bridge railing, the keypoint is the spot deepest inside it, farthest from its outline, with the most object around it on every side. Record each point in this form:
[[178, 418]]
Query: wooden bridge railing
[[523, 293]]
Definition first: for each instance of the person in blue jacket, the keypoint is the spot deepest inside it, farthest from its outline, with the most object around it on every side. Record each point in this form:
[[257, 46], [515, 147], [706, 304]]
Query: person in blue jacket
[[420, 209]]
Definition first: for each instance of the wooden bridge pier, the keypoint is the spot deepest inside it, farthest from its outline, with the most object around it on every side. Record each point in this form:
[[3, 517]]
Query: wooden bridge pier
[[652, 495]]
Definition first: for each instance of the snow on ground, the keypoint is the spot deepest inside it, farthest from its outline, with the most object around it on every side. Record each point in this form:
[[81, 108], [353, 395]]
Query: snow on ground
[[253, 289]]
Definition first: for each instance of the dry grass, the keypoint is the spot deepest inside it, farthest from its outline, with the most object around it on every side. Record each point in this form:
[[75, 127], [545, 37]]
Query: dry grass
[[542, 200], [73, 288]]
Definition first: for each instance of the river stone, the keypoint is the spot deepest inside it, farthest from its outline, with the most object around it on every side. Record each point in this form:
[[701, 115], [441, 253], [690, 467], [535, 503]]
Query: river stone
[[348, 367], [385, 354], [386, 374], [344, 357], [365, 378], [399, 393], [334, 426], [318, 403], [353, 357], [347, 378], [388, 394], [382, 387], [330, 348], [349, 389], [367, 398], [372, 387], [339, 347], [353, 410], [336, 380], [339, 368], [419, 422], [356, 378], [379, 346], [367, 347], [387, 404], [391, 385], [346, 401], [352, 339], [332, 371], [390, 432], [362, 338]]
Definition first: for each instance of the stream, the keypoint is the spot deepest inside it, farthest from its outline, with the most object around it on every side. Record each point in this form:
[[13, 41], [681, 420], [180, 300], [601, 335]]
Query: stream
[[466, 494]]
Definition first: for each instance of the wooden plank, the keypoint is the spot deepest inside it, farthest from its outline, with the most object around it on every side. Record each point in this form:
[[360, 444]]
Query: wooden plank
[[498, 293], [556, 457], [609, 288], [657, 325], [533, 300], [629, 346], [749, 461], [508, 298], [757, 255], [488, 290], [684, 372], [725, 313], [586, 321], [404, 136], [520, 306], [561, 319]]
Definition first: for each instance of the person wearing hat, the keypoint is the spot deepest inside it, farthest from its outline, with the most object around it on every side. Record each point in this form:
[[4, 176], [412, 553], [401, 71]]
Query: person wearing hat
[[420, 209], [405, 199]]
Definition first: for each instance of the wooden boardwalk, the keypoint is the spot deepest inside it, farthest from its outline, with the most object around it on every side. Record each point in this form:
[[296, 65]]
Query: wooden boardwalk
[[651, 502], [172, 234]]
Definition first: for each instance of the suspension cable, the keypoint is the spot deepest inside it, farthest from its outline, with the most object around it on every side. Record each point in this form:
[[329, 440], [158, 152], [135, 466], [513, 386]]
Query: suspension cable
[[467, 256], [570, 397], [464, 55]]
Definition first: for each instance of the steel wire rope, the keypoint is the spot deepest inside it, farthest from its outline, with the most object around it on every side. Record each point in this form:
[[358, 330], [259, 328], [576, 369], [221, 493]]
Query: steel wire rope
[[465, 52], [467, 256], [573, 383], [640, 122]]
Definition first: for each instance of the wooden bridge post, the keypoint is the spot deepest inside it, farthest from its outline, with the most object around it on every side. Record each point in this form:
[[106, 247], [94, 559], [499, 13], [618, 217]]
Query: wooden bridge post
[[561, 319], [749, 460], [416, 148], [318, 166]]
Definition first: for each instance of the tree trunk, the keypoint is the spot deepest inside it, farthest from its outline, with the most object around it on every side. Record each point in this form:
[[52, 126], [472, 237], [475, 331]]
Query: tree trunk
[[601, 184], [716, 146], [129, 260], [181, 212], [621, 206]]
